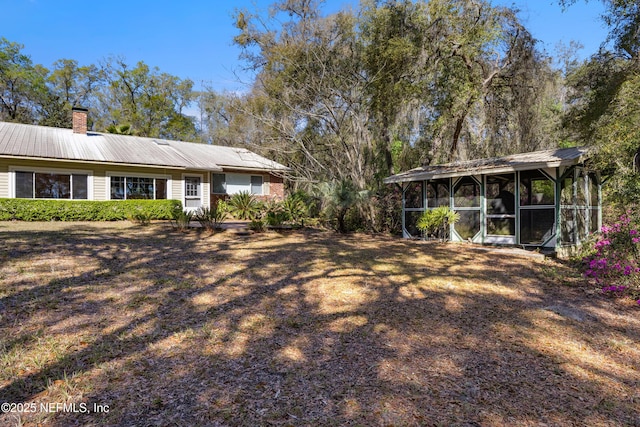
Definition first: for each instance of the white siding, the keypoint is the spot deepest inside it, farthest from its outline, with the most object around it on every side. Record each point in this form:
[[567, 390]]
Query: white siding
[[4, 179]]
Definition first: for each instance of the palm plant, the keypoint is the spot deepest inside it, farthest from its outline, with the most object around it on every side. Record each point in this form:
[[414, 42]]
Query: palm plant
[[275, 215], [244, 206], [340, 196], [119, 129], [182, 220], [295, 209], [434, 222], [211, 218]]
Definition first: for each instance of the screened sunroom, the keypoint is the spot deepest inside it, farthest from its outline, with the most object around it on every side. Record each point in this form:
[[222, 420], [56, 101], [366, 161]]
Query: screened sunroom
[[543, 199]]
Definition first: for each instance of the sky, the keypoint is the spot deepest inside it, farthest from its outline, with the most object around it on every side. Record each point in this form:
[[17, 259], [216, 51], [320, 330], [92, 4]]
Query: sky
[[194, 38]]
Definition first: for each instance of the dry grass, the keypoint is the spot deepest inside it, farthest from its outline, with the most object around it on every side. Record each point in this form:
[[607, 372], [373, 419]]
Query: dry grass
[[306, 328]]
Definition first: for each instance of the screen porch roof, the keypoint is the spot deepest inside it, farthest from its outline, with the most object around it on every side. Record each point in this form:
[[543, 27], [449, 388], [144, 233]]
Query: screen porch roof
[[516, 162]]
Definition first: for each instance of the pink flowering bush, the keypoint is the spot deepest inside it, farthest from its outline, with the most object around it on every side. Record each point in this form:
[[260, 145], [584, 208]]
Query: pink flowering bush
[[613, 265]]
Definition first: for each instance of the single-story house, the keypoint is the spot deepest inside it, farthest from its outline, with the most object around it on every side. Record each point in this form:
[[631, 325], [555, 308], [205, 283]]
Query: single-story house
[[54, 163], [545, 199]]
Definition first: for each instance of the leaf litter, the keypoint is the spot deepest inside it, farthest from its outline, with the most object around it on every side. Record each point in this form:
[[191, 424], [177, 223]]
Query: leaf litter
[[303, 328]]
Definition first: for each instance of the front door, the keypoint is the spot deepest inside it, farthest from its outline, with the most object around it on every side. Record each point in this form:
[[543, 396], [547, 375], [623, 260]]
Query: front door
[[192, 192]]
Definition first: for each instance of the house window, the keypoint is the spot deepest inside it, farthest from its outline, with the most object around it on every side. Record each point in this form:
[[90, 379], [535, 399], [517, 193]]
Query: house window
[[192, 186], [130, 187], [256, 185], [24, 185], [161, 188], [219, 183], [80, 188], [233, 183], [39, 185]]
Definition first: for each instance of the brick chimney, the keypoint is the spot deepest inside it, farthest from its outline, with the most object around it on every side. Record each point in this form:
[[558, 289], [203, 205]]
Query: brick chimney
[[79, 119]]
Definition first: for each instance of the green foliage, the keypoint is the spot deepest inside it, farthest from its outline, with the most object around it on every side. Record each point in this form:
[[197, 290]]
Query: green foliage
[[119, 129], [623, 19], [338, 198], [295, 209], [87, 210], [400, 83], [617, 137], [244, 206], [274, 214], [311, 201], [211, 218], [595, 87], [276, 218], [258, 225], [147, 99], [141, 218], [182, 219], [292, 211], [604, 104], [388, 202], [151, 102], [22, 84], [69, 85], [435, 222]]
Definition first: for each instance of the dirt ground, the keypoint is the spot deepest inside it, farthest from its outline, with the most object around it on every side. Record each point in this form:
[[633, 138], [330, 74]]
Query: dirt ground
[[119, 324]]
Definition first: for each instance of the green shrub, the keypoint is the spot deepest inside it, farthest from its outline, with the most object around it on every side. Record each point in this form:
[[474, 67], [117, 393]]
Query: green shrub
[[276, 218], [211, 218], [435, 222], [292, 211], [182, 219], [86, 210], [295, 209], [274, 215], [141, 218], [341, 202], [313, 204], [244, 205], [258, 225]]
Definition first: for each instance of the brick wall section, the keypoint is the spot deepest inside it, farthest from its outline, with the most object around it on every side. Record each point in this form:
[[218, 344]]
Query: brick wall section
[[276, 187], [79, 120]]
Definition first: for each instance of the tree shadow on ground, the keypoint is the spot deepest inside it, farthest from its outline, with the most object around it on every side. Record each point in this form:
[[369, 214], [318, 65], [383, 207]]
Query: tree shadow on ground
[[168, 328]]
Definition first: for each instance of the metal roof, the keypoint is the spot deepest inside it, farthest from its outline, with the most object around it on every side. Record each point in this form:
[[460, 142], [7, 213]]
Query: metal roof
[[30, 141], [515, 162]]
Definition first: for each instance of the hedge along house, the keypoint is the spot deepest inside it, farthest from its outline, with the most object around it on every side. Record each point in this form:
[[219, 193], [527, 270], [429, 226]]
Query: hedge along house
[[544, 199], [54, 163]]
